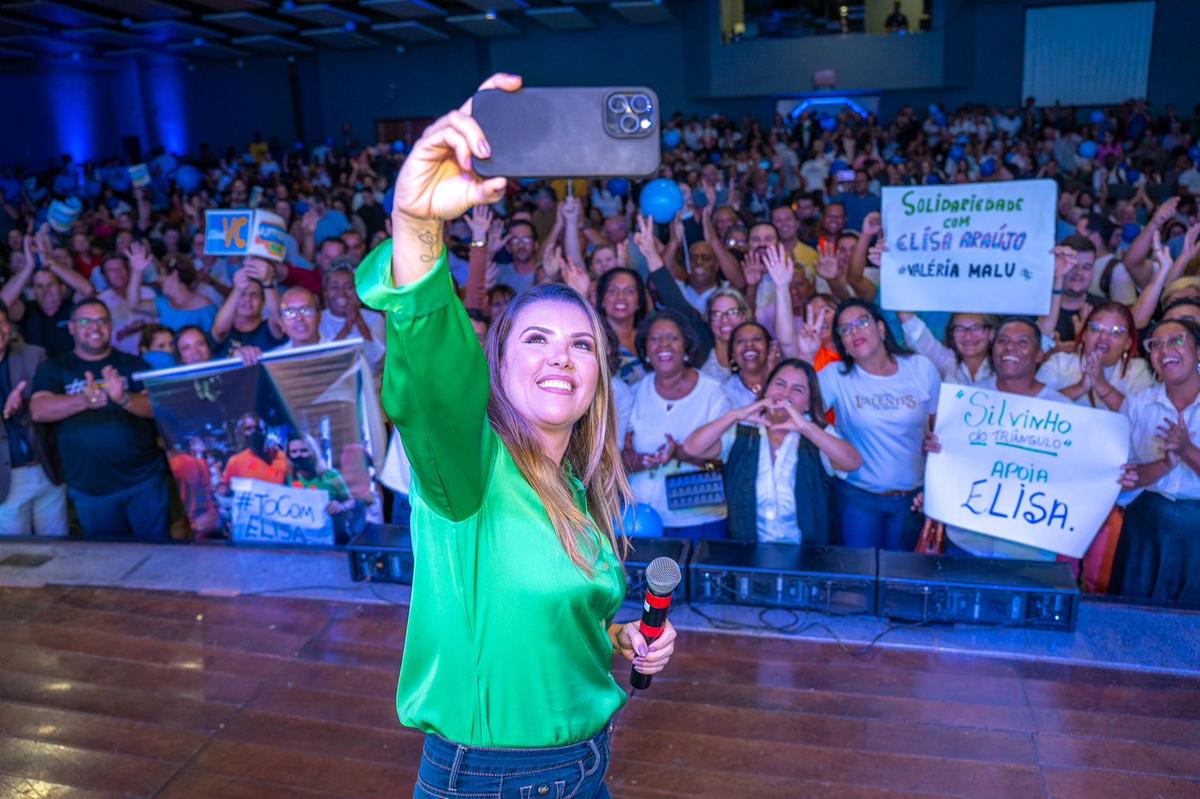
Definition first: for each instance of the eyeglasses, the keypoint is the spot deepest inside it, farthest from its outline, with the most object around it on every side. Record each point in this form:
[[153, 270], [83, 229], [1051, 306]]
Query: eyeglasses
[[86, 322], [964, 330], [861, 323], [732, 313], [305, 311], [1175, 342], [1115, 331], [521, 239]]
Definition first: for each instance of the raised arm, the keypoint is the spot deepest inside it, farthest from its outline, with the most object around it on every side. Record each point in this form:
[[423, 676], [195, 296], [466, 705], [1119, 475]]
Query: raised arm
[[856, 275], [1064, 261], [782, 270], [729, 265], [705, 442], [434, 361], [668, 290], [223, 323], [1136, 261]]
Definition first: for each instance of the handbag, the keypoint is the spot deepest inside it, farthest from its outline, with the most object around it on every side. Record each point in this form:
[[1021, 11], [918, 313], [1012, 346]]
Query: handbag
[[693, 489], [933, 538]]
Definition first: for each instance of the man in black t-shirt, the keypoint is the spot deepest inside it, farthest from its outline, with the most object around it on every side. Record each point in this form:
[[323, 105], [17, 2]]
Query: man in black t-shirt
[[101, 417]]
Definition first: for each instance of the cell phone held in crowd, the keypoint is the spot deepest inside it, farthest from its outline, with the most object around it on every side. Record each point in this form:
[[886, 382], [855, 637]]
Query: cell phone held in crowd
[[577, 132]]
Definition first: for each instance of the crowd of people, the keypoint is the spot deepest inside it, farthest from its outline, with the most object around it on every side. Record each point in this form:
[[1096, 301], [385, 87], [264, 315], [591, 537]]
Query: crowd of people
[[751, 356]]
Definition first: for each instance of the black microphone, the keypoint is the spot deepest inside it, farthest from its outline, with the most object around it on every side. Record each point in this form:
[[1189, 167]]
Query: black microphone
[[662, 575]]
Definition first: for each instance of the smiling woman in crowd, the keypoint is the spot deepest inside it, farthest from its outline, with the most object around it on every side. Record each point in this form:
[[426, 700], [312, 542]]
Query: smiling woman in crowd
[[965, 356], [1104, 369], [779, 457], [1158, 554], [621, 304], [884, 399], [668, 406]]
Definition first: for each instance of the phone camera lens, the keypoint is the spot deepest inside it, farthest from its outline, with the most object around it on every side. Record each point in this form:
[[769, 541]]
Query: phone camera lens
[[629, 124], [618, 104], [639, 104]]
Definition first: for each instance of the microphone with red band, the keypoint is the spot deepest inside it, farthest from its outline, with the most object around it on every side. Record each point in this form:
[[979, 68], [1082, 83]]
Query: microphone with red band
[[662, 576]]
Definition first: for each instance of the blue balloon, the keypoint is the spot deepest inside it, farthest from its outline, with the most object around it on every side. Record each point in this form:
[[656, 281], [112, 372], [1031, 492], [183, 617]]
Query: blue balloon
[[772, 179], [988, 167], [1194, 154], [963, 139], [957, 152], [828, 123], [11, 190], [618, 187], [118, 180], [188, 178], [1087, 149], [671, 138], [661, 199], [1098, 117], [642, 521], [398, 146], [64, 184], [714, 157], [388, 200]]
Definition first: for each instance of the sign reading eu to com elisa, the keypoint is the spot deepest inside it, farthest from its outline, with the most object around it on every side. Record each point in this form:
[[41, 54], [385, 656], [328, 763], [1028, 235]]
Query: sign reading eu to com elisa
[[1028, 470], [979, 247]]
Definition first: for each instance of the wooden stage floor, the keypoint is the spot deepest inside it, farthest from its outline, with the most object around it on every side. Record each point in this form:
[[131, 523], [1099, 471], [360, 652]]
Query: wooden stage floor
[[111, 692]]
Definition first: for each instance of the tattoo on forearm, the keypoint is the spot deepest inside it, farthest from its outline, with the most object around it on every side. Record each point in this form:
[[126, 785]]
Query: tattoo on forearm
[[427, 238]]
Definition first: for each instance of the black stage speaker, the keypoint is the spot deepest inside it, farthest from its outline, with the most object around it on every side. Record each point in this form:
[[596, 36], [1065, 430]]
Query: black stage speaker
[[1017, 593], [382, 553], [828, 579], [644, 550]]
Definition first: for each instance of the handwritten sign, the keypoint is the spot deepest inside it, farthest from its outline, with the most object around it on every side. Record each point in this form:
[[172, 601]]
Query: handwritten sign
[[139, 175], [981, 247], [245, 232], [1033, 471], [266, 513]]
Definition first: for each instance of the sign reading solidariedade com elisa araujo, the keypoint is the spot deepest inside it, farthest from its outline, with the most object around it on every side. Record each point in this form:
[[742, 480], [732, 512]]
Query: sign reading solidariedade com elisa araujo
[[978, 247], [1028, 470]]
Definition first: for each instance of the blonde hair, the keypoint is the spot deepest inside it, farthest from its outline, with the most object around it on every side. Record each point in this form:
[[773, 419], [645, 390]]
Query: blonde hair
[[592, 453]]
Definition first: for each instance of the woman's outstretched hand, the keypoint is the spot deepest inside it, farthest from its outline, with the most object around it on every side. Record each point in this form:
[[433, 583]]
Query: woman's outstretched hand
[[437, 181]]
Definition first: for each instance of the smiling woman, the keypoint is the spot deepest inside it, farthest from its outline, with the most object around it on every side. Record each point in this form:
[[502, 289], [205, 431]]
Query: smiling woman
[[516, 482]]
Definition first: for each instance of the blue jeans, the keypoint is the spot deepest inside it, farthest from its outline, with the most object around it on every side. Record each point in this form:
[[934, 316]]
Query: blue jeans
[[141, 511], [876, 520], [450, 770]]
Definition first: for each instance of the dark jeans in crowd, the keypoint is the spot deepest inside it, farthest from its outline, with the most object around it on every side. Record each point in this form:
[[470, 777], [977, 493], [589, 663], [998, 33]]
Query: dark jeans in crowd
[[1158, 554], [452, 770], [141, 511], [883, 521]]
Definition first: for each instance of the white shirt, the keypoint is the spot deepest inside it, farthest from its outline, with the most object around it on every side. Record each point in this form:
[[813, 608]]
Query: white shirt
[[1064, 369], [1147, 412], [982, 545], [623, 399], [123, 317], [652, 420], [396, 473], [375, 349], [288, 345], [885, 418], [775, 489], [739, 396], [1121, 287], [698, 300], [713, 368], [952, 370]]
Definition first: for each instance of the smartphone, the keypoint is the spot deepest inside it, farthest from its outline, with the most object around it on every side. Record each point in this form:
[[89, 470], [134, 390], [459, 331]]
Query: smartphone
[[569, 132]]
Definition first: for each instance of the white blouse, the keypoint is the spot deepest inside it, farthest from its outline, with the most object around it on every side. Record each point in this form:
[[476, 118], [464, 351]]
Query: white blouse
[[952, 370], [1063, 369], [1147, 412]]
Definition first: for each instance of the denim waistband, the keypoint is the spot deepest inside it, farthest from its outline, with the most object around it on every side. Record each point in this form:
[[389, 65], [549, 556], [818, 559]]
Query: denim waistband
[[495, 760]]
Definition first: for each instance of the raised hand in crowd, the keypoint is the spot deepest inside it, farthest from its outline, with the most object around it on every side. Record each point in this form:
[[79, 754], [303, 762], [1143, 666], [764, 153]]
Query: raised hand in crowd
[[575, 276], [808, 337], [15, 400]]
